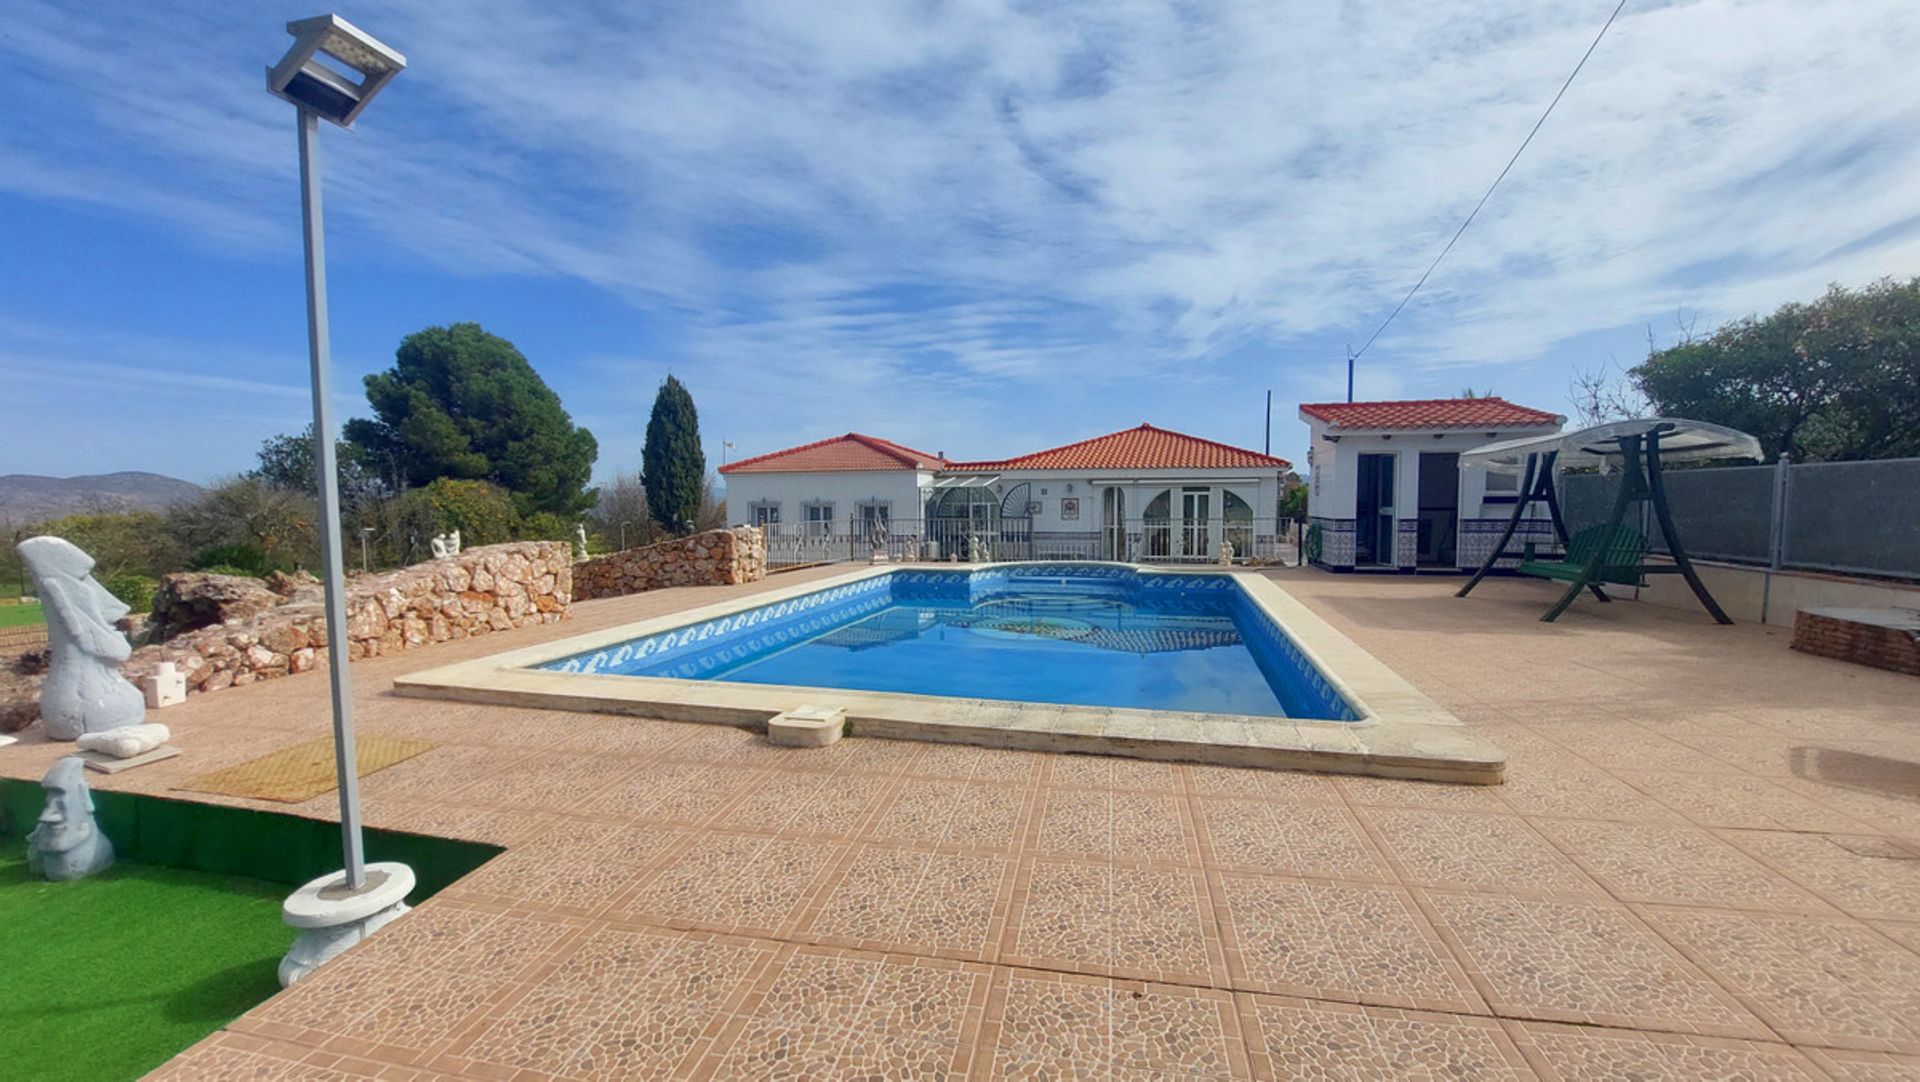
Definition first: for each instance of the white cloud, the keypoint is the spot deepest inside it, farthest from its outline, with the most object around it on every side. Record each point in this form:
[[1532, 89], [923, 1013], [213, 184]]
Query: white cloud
[[918, 213]]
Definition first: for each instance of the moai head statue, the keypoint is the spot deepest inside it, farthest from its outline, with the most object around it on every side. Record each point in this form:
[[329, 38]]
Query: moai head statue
[[67, 843]]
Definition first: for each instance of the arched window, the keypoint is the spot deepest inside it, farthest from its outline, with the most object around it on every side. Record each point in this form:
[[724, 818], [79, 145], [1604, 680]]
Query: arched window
[[1237, 516], [1157, 526]]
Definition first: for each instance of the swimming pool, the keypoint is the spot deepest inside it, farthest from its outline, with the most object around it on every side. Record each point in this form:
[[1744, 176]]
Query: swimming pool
[[1076, 634], [1214, 666]]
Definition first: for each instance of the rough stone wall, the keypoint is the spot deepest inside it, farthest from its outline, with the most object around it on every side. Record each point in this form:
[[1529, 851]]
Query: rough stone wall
[[1882, 647], [714, 558], [482, 590]]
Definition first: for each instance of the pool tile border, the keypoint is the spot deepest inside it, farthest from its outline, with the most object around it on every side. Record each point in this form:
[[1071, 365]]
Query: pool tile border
[[1401, 733]]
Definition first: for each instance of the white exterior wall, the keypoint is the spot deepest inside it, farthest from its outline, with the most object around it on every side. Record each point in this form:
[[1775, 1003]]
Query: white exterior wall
[[1333, 490], [905, 490], [1260, 488]]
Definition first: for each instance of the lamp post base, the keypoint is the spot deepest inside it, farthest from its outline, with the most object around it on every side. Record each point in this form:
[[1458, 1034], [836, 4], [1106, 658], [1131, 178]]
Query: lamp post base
[[332, 918]]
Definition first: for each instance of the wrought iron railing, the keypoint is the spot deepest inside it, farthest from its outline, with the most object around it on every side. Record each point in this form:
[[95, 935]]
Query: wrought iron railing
[[950, 540]]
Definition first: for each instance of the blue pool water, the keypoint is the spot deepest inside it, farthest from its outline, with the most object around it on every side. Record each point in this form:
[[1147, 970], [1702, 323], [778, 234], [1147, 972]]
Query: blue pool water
[[1082, 634]]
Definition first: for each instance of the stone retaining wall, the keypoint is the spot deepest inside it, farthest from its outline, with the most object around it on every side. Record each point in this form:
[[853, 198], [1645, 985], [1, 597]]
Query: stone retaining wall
[[482, 590], [713, 558]]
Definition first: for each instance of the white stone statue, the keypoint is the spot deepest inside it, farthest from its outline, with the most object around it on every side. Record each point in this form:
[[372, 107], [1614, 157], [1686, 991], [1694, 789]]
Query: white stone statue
[[1226, 553], [67, 844], [580, 541], [977, 551], [445, 545], [84, 692]]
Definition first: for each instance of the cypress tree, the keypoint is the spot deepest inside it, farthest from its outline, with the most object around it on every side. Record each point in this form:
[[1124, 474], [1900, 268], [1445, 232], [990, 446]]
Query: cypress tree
[[673, 467]]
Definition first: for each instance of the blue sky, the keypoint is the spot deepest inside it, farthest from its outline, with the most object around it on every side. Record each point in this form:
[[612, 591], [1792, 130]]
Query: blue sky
[[978, 228]]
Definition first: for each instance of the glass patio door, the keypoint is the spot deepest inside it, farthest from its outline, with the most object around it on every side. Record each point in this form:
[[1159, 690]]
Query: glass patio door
[[1196, 506]]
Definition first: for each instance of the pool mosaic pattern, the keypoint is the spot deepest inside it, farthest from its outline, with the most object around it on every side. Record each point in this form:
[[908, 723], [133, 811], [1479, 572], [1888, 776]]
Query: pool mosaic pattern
[[1170, 641]]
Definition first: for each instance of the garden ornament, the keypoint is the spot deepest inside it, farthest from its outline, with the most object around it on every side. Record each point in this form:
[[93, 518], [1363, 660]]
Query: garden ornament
[[67, 844], [84, 692]]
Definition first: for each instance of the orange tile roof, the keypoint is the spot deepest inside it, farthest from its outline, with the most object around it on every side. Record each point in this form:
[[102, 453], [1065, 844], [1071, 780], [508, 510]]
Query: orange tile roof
[[1143, 448], [1430, 413], [852, 451]]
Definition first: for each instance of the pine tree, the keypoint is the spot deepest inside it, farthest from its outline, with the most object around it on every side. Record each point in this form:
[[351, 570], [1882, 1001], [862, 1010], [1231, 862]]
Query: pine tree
[[672, 466], [465, 404]]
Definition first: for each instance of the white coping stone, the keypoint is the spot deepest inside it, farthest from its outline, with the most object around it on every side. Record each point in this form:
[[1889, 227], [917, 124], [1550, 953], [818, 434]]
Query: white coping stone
[[331, 920], [807, 727]]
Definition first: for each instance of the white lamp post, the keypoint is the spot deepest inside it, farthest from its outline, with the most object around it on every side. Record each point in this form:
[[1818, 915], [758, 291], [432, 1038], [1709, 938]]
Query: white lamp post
[[332, 71]]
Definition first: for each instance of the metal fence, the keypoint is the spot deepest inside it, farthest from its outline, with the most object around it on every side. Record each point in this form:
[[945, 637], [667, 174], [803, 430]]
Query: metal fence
[[943, 540], [1860, 518]]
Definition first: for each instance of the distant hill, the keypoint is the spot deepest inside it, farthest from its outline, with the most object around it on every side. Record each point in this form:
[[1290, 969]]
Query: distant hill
[[26, 498]]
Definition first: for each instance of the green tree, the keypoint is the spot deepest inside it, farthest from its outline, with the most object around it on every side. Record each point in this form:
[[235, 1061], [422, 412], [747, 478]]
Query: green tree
[[286, 462], [464, 404], [1835, 379], [672, 464]]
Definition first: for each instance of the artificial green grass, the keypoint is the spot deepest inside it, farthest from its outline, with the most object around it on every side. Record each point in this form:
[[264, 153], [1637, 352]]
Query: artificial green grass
[[21, 615], [108, 977]]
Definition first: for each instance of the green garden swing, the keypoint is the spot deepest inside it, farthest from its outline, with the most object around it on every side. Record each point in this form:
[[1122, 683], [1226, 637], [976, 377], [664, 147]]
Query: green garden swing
[[1612, 551]]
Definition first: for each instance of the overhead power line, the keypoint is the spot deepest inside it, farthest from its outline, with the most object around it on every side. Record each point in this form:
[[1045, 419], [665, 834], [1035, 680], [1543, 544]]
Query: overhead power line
[[1496, 182]]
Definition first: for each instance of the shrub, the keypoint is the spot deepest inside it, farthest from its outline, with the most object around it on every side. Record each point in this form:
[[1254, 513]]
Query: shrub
[[135, 590], [233, 559], [546, 526], [482, 512]]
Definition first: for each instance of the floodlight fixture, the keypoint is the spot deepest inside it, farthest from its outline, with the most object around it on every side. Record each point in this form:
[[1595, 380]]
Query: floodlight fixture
[[334, 68]]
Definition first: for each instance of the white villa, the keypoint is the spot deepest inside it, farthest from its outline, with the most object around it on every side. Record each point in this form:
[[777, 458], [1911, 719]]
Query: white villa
[[1387, 489], [1141, 494]]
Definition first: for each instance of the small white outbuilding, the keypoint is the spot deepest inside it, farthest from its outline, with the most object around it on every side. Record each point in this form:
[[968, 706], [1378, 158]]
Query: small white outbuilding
[[1386, 489]]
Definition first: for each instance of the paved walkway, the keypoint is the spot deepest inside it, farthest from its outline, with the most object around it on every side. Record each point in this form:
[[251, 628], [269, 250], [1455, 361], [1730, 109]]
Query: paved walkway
[[1706, 863]]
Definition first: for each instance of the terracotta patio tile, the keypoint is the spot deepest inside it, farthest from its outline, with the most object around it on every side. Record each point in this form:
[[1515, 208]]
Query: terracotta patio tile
[[1340, 941], [1106, 825], [1854, 1066], [865, 903], [821, 1013], [1677, 864], [1572, 788], [811, 803], [1112, 772], [439, 772], [1589, 962], [1865, 876], [676, 792], [1816, 980], [964, 762], [971, 815], [1311, 1039], [1474, 851], [424, 1009], [216, 1064], [1581, 1052], [1151, 923], [1722, 801], [1392, 792], [1322, 840], [1047, 1025], [743, 883], [623, 1004], [1285, 785], [959, 908]]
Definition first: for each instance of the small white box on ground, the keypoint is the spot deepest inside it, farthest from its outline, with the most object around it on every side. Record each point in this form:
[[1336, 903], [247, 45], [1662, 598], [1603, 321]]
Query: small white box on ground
[[807, 727], [166, 685]]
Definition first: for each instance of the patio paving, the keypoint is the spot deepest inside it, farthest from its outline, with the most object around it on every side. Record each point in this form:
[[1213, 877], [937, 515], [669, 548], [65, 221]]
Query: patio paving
[[1705, 863]]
